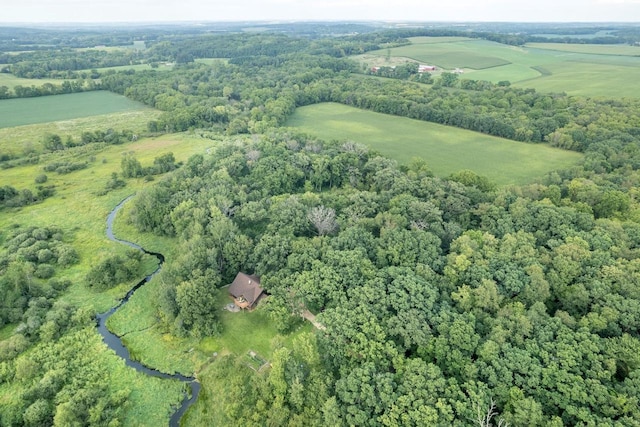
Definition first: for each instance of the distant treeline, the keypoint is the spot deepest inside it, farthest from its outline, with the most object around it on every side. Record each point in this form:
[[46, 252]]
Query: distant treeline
[[66, 86]]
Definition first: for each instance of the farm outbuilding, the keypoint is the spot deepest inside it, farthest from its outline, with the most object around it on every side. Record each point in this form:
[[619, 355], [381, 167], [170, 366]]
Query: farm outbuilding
[[426, 68]]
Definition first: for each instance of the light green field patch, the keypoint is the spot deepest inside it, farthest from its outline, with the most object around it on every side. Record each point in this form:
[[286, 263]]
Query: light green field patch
[[235, 338], [446, 149], [459, 54], [595, 49], [578, 78], [11, 81], [137, 67], [20, 139], [211, 61], [24, 111], [589, 70], [431, 40], [511, 73]]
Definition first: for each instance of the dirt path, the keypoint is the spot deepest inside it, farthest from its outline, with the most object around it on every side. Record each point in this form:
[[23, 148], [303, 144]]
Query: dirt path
[[312, 318]]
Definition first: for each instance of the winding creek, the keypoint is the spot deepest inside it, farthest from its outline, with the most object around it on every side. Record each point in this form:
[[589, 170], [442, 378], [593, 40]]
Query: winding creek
[[115, 343]]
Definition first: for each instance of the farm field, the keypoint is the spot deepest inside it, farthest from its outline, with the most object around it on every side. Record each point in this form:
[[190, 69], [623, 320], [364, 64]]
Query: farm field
[[26, 111], [10, 81], [589, 70], [587, 80], [594, 49], [22, 139], [446, 149]]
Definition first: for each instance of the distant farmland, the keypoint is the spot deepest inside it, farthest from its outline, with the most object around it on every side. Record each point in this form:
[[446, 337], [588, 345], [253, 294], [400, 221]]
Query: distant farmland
[[11, 81], [589, 70], [445, 149], [26, 111]]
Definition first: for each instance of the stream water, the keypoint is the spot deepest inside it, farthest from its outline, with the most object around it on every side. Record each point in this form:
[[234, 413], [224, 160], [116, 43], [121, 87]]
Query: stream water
[[115, 343]]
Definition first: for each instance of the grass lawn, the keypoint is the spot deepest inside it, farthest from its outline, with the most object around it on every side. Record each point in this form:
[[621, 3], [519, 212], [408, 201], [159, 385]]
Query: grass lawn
[[446, 149], [245, 331], [25, 111]]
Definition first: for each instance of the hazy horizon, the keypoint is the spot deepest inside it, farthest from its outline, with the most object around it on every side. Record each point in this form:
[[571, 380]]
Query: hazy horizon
[[168, 11]]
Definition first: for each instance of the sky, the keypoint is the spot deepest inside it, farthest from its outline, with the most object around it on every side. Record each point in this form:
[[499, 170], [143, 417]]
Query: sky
[[319, 10]]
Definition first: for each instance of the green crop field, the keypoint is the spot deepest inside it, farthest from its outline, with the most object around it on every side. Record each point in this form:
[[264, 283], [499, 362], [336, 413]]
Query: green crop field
[[589, 70], [445, 149], [26, 111], [423, 40], [577, 78], [595, 49], [459, 53]]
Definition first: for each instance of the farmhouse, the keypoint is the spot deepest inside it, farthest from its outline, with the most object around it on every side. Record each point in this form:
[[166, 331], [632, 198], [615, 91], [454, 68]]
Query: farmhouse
[[426, 68], [246, 291]]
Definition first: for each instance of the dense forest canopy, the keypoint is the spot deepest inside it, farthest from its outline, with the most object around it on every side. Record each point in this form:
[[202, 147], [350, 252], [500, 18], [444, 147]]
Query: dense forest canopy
[[439, 300]]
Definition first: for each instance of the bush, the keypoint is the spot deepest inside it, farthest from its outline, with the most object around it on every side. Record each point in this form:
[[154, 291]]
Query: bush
[[44, 271], [41, 179], [65, 167], [114, 270]]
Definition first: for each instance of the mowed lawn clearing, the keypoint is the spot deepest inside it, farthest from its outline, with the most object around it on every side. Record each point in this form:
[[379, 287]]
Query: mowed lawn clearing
[[25, 111], [446, 149]]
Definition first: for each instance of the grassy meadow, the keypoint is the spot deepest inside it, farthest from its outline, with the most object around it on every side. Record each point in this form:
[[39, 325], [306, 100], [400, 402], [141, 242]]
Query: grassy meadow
[[20, 140], [81, 214], [136, 67], [26, 111], [446, 149], [577, 69], [10, 81], [79, 211]]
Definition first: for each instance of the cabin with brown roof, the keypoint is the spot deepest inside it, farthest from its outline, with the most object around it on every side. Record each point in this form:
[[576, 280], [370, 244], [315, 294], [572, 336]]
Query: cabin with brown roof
[[246, 291]]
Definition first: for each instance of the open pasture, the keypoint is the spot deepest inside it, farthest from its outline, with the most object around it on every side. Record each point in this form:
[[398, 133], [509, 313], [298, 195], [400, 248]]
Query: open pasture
[[446, 149], [11, 81], [20, 140], [589, 70], [25, 111]]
